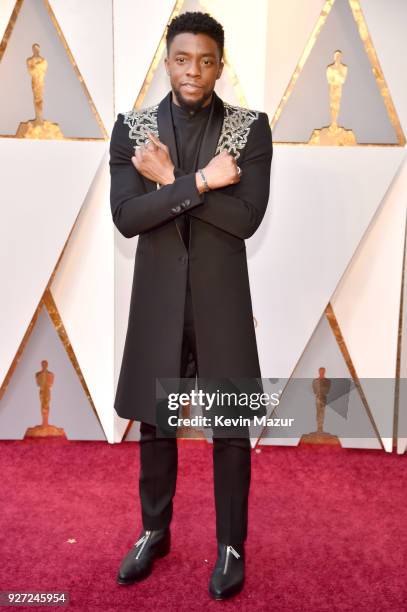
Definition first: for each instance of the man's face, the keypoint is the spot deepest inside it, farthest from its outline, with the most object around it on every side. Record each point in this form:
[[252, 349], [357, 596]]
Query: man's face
[[193, 65]]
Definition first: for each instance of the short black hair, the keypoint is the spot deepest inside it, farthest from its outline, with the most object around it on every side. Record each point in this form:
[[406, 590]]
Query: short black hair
[[196, 23]]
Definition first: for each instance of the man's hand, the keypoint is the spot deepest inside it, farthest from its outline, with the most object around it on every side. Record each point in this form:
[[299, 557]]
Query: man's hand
[[221, 171], [153, 161]]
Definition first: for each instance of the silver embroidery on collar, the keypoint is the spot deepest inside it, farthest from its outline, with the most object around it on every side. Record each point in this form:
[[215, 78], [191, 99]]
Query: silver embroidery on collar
[[141, 122], [233, 136], [235, 129]]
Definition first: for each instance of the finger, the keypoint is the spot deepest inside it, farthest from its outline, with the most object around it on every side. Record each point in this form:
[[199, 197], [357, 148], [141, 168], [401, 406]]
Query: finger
[[151, 146], [232, 163], [156, 140], [138, 154], [238, 174]]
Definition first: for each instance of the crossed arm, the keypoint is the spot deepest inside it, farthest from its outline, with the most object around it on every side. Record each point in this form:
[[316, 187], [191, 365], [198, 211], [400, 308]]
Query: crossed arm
[[235, 204]]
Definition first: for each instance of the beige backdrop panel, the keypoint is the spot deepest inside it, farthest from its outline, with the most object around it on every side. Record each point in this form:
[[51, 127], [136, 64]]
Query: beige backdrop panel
[[367, 300], [43, 186]]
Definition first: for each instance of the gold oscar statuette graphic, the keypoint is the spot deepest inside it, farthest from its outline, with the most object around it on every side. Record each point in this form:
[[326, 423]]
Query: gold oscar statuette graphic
[[45, 380], [38, 128], [336, 74], [320, 387]]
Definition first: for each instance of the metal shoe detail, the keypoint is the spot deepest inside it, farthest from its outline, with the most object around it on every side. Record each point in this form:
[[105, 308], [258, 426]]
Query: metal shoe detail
[[229, 549], [143, 541]]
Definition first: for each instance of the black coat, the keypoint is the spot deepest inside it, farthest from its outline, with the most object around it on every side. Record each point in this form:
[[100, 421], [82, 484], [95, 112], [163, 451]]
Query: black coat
[[220, 222]]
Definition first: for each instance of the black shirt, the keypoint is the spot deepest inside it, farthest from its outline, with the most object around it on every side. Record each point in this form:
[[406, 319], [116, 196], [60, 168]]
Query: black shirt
[[189, 129]]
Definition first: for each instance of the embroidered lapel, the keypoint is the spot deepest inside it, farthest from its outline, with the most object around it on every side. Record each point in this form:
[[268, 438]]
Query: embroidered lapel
[[233, 135], [140, 123], [235, 129]]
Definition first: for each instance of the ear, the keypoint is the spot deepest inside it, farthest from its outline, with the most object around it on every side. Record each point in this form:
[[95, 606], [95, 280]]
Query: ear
[[221, 65], [166, 65]]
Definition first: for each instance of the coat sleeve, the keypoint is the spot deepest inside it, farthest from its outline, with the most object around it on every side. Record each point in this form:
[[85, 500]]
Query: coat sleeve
[[240, 208], [134, 209]]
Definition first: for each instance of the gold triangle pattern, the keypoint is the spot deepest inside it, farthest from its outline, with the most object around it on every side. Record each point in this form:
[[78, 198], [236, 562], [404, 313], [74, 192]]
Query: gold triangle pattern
[[333, 322], [3, 45], [48, 302], [374, 61], [399, 341]]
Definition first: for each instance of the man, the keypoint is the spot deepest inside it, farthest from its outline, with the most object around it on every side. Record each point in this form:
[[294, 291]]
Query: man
[[190, 176]]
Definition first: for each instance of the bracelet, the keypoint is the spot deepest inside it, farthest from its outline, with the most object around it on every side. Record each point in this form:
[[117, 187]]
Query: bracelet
[[206, 186]]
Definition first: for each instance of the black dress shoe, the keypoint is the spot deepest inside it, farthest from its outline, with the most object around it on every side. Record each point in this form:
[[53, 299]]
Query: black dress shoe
[[138, 562], [228, 574]]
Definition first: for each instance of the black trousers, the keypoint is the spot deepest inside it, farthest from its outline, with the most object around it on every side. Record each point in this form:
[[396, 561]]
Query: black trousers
[[159, 463]]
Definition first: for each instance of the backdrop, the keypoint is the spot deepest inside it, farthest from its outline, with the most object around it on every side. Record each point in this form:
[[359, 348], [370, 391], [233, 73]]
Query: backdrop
[[327, 265]]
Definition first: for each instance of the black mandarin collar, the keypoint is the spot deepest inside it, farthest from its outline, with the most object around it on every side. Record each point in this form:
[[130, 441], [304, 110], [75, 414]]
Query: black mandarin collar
[[181, 114]]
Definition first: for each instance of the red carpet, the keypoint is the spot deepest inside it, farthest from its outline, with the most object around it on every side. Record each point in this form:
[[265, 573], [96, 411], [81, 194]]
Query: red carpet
[[327, 528]]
